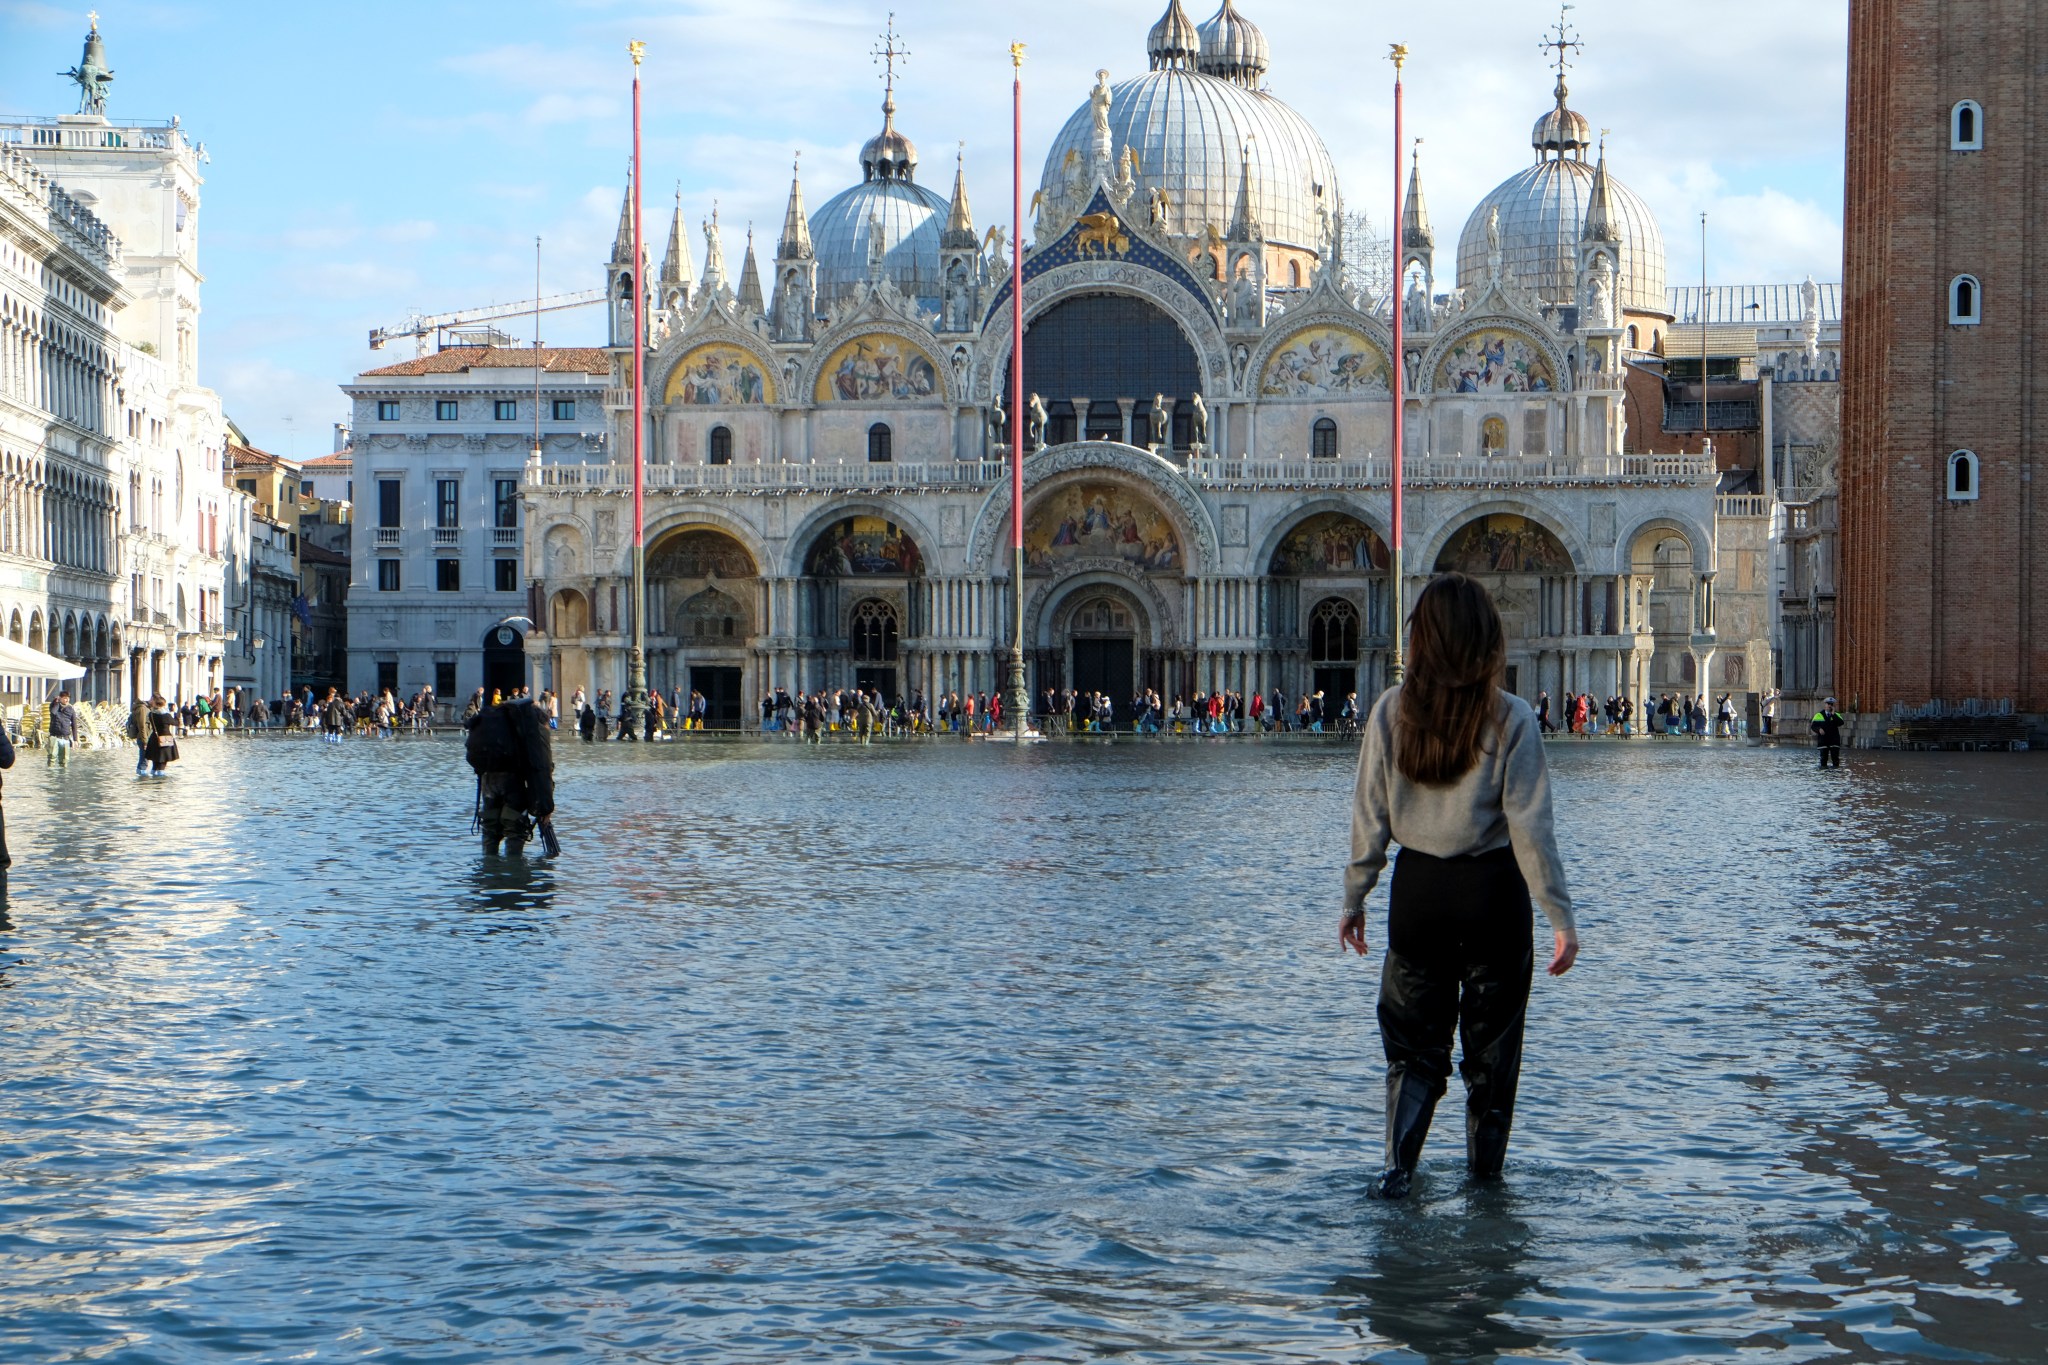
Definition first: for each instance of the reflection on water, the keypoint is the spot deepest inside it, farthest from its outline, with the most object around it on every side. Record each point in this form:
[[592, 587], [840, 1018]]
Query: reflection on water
[[955, 1053]]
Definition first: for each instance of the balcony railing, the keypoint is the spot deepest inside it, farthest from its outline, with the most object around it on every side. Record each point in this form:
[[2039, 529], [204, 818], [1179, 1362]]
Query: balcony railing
[[1742, 505], [747, 477], [504, 537], [447, 536], [387, 537], [1449, 470]]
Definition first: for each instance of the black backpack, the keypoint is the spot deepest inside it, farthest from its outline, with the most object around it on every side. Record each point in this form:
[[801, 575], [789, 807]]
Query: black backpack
[[492, 747]]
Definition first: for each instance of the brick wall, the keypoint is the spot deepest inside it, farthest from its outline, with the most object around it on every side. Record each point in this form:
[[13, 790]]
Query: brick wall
[[1939, 599]]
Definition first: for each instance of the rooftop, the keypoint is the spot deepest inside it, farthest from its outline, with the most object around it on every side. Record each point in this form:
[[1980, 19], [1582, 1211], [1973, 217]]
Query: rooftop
[[461, 359], [1751, 305], [242, 457], [340, 462]]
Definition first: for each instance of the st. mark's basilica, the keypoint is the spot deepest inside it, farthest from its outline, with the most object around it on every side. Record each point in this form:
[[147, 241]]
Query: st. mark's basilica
[[1207, 477]]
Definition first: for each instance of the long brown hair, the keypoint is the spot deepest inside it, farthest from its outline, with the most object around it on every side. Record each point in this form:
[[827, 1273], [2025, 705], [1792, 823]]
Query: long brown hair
[[1456, 652]]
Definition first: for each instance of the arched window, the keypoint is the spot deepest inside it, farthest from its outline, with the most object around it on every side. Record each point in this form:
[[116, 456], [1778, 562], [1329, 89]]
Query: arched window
[[873, 633], [1965, 301], [1322, 439], [1333, 632], [1294, 274], [1657, 342], [1632, 337], [1966, 127], [878, 443], [721, 446], [1962, 476]]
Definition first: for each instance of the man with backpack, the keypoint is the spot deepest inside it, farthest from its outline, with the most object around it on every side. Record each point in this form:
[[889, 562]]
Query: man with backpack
[[515, 775]]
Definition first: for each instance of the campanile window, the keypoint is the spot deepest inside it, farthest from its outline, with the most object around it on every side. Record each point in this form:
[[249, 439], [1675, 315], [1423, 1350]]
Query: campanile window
[[1965, 301], [1966, 127], [1962, 476]]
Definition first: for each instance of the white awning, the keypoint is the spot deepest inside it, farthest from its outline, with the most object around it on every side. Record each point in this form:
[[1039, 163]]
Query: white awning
[[19, 661]]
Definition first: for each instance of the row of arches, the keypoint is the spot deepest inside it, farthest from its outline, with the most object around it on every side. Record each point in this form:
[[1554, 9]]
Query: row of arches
[[57, 368], [48, 511], [89, 640]]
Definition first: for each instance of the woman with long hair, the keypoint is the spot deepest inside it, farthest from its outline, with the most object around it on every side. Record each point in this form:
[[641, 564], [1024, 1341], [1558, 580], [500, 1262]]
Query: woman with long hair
[[1452, 770]]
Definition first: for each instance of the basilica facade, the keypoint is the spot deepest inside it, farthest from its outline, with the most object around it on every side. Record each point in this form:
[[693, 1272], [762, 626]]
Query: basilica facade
[[1207, 467]]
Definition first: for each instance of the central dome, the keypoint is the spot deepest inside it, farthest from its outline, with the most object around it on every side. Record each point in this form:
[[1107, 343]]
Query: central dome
[[1192, 131], [887, 213]]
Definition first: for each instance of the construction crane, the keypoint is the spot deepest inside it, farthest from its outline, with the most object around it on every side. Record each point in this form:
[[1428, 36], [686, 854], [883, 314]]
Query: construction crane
[[421, 326]]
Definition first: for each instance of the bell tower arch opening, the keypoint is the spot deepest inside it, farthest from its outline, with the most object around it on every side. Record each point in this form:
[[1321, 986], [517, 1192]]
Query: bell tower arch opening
[[1101, 351]]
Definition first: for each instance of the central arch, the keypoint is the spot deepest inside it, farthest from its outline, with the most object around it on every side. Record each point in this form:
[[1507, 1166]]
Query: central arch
[[704, 590]]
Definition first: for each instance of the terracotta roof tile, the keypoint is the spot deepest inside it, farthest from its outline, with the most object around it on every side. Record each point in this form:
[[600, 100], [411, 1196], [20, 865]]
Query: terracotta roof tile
[[340, 459], [457, 359]]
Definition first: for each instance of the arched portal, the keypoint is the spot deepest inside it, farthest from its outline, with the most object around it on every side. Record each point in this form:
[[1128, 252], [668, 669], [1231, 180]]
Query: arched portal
[[568, 622], [1326, 565], [863, 595], [704, 591], [1661, 569], [1104, 627], [1105, 350], [1533, 581]]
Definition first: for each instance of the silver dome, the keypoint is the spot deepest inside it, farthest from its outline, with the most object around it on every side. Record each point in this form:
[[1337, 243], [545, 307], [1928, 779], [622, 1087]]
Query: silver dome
[[910, 218], [1189, 131], [1542, 212], [1233, 48]]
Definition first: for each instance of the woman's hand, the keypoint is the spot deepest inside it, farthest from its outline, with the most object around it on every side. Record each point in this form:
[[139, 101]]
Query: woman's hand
[[1351, 931], [1567, 952]]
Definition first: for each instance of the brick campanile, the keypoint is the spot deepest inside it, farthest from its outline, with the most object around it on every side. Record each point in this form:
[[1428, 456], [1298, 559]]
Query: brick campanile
[[1942, 413]]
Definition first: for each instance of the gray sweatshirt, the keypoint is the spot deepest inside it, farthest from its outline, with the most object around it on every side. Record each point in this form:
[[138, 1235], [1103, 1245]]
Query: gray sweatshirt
[[1504, 799]]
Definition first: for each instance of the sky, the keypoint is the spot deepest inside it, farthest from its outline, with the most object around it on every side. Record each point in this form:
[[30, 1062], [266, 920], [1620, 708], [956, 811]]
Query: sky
[[372, 159]]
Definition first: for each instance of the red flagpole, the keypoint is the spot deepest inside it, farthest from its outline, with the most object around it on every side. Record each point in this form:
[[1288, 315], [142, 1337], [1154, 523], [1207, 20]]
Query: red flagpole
[[1397, 665], [636, 661], [1018, 701]]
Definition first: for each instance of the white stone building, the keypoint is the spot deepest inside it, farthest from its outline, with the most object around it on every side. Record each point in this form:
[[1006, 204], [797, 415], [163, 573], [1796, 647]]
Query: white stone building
[[132, 414], [441, 444]]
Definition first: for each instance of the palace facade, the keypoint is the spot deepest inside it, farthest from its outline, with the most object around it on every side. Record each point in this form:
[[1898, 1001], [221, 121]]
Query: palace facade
[[1208, 491]]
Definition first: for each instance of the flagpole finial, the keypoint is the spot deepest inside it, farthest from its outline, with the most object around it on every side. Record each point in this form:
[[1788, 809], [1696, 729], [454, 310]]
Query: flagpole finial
[[1397, 53], [1017, 55], [636, 49]]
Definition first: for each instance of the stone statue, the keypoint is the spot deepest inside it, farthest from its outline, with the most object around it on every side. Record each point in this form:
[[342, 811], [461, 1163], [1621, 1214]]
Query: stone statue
[[92, 74], [1240, 357], [1493, 241], [1098, 110], [1809, 320], [1156, 419], [878, 247], [1034, 423], [1414, 368], [1600, 295], [1198, 423], [997, 420], [792, 309], [1417, 308]]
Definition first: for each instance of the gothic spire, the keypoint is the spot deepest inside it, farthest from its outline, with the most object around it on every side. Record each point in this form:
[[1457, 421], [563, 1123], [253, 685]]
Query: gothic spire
[[751, 298], [959, 231], [796, 229], [1416, 233], [1244, 217], [1600, 224], [676, 268], [622, 241]]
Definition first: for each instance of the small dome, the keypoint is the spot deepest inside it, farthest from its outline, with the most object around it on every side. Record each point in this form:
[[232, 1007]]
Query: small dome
[[1543, 211], [908, 217], [1561, 130], [1233, 49], [1175, 42], [889, 155]]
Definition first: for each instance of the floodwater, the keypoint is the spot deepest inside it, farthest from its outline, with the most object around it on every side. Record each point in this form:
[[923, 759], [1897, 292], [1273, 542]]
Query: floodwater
[[949, 1052]]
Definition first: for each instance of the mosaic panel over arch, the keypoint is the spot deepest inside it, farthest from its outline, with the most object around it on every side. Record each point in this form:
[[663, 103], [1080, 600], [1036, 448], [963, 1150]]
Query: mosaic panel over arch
[[877, 368], [1320, 361], [1502, 542], [864, 545], [1090, 520], [1329, 544], [700, 553], [1495, 361], [719, 374]]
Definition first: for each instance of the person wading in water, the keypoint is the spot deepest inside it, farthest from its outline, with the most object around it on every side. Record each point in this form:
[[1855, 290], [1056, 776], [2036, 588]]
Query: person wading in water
[[1452, 769]]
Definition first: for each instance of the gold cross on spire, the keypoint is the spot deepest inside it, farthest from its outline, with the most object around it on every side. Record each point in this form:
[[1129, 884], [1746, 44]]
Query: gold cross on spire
[[92, 16], [1565, 40]]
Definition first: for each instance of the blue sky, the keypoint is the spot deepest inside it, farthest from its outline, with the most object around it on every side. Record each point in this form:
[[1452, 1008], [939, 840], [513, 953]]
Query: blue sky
[[373, 158]]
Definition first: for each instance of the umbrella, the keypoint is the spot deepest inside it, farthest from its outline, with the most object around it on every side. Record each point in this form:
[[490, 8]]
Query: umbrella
[[18, 660]]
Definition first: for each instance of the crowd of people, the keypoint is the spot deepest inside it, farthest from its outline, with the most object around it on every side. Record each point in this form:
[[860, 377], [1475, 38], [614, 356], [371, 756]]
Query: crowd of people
[[1581, 713]]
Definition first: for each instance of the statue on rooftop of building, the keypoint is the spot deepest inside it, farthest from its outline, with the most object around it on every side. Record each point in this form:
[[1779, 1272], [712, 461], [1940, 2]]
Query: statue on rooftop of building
[[92, 73]]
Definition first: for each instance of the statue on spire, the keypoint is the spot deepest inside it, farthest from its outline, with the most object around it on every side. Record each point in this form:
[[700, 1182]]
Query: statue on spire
[[92, 73]]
